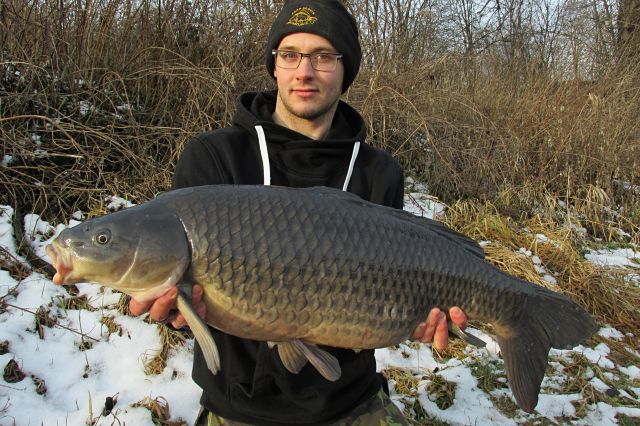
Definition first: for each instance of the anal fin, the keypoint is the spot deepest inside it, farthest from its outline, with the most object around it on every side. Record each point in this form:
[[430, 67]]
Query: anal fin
[[467, 337], [291, 356]]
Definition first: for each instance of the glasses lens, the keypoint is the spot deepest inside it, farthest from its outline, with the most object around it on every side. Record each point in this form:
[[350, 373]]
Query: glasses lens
[[319, 61], [285, 59], [324, 61]]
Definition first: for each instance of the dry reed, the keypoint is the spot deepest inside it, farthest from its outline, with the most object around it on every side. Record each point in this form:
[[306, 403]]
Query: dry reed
[[99, 100]]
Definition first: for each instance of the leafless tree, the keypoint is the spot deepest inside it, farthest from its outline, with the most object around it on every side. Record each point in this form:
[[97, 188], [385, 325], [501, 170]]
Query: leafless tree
[[629, 29]]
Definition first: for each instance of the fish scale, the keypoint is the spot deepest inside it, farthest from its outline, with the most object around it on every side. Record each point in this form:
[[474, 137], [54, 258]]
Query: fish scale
[[318, 266], [328, 271]]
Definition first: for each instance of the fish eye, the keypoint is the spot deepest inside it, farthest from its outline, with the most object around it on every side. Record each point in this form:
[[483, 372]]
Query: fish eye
[[102, 237]]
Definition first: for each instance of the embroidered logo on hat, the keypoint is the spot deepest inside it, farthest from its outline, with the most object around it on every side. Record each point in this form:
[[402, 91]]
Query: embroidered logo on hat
[[302, 16]]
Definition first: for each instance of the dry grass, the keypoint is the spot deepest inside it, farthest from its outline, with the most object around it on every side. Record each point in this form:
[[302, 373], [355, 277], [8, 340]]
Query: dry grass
[[13, 266], [123, 304], [74, 303], [505, 405], [169, 339], [418, 416], [102, 105], [577, 374], [620, 353], [441, 391], [489, 376], [12, 372], [404, 381], [513, 147], [41, 387], [160, 414], [455, 349], [111, 326], [42, 319]]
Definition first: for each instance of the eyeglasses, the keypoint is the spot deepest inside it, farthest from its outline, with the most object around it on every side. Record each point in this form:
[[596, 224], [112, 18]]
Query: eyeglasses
[[322, 61]]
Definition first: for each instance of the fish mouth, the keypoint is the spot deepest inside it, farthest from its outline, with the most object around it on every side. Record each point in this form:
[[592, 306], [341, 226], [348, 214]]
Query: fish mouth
[[60, 262]]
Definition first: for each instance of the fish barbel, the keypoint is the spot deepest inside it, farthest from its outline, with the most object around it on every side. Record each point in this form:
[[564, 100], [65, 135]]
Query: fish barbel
[[317, 266]]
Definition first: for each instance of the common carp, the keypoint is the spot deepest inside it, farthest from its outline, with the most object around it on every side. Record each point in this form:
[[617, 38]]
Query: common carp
[[305, 267]]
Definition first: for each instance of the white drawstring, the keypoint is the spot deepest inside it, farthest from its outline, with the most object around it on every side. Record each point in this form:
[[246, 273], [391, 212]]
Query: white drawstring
[[266, 168], [354, 155]]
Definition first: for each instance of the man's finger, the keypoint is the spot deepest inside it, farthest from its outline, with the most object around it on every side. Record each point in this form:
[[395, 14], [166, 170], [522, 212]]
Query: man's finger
[[458, 317], [201, 310], [419, 331], [139, 308], [163, 305], [179, 322], [197, 293], [441, 334], [430, 325]]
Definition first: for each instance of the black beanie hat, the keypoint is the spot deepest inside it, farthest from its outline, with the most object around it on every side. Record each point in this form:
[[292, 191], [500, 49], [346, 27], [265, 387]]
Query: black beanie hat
[[326, 18]]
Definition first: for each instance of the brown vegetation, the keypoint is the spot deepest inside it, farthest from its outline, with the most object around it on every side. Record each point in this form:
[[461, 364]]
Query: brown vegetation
[[99, 97]]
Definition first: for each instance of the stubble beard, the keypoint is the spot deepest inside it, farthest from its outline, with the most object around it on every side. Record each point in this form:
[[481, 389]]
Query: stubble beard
[[313, 113]]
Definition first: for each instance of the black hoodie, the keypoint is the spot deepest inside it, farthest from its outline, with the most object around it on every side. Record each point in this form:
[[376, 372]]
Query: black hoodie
[[253, 386]]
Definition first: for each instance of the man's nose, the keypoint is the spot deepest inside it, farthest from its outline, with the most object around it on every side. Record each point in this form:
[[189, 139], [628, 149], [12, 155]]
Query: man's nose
[[305, 69]]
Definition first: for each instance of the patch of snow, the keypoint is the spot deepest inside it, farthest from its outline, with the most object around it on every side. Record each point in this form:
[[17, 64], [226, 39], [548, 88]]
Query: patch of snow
[[618, 257]]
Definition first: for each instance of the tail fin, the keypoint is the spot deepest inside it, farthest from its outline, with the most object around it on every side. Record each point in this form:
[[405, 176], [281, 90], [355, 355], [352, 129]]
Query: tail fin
[[551, 320]]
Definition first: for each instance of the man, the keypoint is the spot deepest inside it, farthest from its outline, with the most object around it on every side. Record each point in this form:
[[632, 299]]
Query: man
[[300, 135]]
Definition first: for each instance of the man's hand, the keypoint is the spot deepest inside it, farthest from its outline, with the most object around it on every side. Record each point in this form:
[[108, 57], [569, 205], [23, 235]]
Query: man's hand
[[163, 309], [435, 329]]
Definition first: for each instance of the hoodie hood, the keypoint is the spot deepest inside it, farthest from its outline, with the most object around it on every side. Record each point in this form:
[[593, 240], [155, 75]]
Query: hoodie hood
[[293, 153]]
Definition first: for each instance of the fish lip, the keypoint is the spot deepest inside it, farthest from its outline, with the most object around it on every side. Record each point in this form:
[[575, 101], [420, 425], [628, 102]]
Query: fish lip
[[60, 262]]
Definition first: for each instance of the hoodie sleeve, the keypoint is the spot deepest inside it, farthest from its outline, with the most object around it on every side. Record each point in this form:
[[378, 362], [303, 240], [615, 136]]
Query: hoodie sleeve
[[386, 186], [395, 193], [198, 165]]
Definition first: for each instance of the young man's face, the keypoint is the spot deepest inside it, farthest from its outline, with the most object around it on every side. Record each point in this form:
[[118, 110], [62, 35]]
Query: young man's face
[[305, 92]]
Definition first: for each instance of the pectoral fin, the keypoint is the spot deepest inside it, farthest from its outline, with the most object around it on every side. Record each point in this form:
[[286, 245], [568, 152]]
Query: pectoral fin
[[201, 333], [326, 364]]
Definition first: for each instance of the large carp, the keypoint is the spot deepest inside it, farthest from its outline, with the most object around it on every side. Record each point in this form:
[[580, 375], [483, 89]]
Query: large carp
[[318, 266]]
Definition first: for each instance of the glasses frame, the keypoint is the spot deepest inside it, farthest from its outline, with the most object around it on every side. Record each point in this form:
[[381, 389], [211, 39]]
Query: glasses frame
[[275, 52]]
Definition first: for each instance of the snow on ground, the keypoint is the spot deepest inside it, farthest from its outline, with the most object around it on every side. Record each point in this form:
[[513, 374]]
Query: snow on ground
[[83, 364], [618, 257]]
